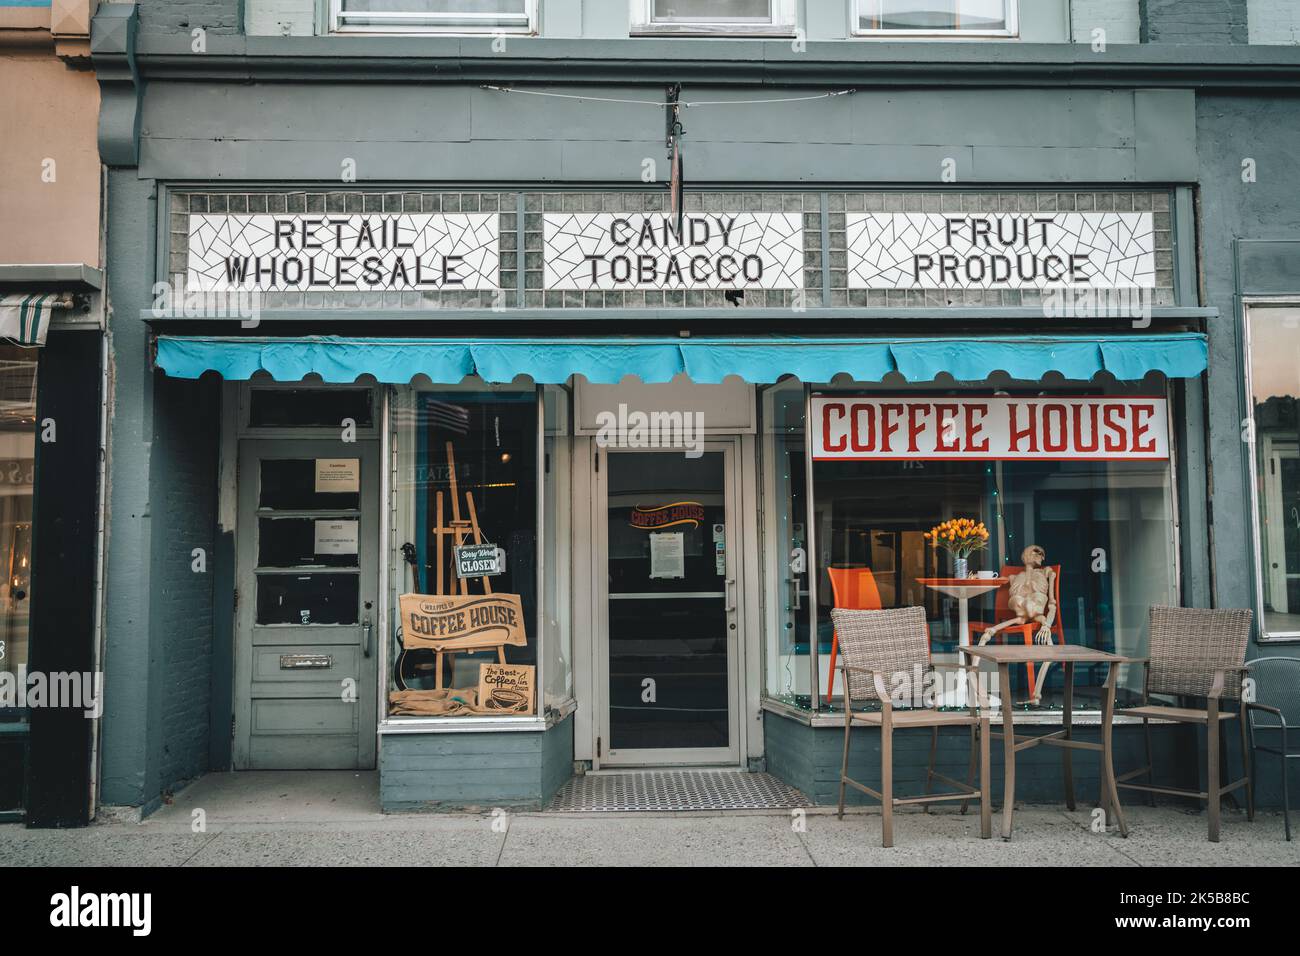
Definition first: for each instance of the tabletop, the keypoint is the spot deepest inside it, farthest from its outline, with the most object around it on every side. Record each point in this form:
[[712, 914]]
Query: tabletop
[[1036, 653], [963, 582]]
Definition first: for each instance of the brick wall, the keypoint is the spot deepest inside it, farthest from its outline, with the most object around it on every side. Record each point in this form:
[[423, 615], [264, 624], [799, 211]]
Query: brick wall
[[183, 503], [182, 16], [1194, 21]]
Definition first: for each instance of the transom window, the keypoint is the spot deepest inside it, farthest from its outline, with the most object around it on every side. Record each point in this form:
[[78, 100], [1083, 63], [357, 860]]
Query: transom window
[[433, 16], [713, 16], [920, 17]]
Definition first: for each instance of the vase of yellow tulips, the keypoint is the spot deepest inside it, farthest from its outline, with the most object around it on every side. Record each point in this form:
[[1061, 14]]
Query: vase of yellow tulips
[[960, 537]]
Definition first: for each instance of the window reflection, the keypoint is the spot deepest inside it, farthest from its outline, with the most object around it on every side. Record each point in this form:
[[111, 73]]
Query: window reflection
[[1274, 355]]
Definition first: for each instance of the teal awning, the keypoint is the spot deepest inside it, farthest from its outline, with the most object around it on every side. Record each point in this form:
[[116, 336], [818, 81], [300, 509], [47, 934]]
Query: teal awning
[[705, 360]]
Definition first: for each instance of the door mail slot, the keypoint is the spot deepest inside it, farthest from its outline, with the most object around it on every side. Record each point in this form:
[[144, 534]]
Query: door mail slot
[[293, 662]]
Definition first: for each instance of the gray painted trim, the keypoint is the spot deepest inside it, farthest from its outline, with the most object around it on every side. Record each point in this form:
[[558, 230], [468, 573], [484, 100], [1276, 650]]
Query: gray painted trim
[[855, 62], [72, 275], [520, 251], [1186, 284], [896, 315], [826, 249], [113, 40]]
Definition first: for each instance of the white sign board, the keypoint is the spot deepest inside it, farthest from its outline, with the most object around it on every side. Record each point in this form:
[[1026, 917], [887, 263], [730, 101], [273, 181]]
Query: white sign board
[[336, 537], [338, 253], [1069, 250], [668, 555], [884, 427], [338, 475], [613, 251]]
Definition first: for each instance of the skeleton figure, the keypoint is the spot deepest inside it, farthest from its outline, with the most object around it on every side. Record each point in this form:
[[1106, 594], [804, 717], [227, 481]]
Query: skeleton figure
[[1033, 599]]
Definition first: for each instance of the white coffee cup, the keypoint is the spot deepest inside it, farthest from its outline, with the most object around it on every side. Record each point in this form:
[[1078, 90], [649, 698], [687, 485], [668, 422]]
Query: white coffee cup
[[986, 575]]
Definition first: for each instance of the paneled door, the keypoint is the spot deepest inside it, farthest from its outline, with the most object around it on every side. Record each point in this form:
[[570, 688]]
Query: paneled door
[[306, 644]]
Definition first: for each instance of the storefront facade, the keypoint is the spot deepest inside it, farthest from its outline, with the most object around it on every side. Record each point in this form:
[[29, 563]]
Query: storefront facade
[[52, 353], [465, 457]]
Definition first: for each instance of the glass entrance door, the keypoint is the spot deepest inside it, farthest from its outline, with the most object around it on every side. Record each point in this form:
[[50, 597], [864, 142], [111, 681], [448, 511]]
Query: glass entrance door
[[668, 658]]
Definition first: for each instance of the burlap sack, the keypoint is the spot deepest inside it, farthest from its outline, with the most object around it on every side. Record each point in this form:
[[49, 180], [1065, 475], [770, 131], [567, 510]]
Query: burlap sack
[[448, 702]]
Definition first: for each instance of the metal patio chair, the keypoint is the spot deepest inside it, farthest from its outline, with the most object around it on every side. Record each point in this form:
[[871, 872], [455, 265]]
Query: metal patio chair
[[877, 647], [1200, 653], [1274, 711]]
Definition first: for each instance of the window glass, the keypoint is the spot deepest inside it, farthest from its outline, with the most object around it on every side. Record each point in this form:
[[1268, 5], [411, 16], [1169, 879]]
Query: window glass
[[17, 473], [1103, 522], [786, 559], [306, 407], [1274, 337], [466, 475], [557, 534], [933, 15], [449, 14], [712, 11]]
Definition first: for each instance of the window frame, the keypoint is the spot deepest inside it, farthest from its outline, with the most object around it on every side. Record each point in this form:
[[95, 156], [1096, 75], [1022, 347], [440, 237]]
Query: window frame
[[783, 23], [337, 23], [1250, 449], [1011, 10]]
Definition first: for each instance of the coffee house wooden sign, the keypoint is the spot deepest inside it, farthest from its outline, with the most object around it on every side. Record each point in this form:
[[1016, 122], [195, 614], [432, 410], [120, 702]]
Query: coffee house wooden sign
[[584, 252]]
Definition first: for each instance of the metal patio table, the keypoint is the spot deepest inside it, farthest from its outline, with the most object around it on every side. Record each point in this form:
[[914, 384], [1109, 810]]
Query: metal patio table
[[1067, 655]]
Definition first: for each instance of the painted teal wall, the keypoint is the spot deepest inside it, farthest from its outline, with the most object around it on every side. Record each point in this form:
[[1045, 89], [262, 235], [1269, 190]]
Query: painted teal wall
[[458, 771]]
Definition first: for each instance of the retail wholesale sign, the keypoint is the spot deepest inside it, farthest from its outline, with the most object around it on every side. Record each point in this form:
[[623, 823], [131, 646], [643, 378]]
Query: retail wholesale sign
[[885, 427], [626, 251], [1097, 250], [364, 253], [447, 622]]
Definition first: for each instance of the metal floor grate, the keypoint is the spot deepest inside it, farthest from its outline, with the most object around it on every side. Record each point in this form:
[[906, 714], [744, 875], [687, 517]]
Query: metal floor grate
[[676, 790]]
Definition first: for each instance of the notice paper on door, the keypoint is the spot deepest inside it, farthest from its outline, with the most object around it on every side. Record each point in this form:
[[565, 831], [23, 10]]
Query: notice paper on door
[[668, 555], [336, 537], [338, 475]]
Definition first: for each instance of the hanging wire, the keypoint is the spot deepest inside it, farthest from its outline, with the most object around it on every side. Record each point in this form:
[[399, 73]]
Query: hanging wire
[[658, 104]]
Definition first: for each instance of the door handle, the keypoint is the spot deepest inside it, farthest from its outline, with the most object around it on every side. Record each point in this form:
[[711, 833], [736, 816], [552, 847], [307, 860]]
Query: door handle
[[730, 602], [365, 637]]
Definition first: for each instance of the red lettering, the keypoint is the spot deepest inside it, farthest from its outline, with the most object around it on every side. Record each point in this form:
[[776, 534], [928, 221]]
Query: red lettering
[[856, 415], [1030, 430], [1092, 427], [1141, 427], [888, 427], [946, 422], [1057, 443], [1108, 418], [973, 428], [914, 428], [827, 444]]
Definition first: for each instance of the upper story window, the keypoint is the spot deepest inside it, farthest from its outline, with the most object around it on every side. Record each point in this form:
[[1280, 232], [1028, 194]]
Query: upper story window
[[434, 16], [698, 17], [973, 18]]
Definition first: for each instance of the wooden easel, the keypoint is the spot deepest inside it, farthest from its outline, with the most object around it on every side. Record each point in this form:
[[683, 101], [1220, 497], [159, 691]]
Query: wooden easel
[[458, 529]]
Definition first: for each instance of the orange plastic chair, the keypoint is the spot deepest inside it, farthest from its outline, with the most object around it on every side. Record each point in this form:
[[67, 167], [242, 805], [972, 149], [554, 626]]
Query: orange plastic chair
[[853, 589], [1002, 612]]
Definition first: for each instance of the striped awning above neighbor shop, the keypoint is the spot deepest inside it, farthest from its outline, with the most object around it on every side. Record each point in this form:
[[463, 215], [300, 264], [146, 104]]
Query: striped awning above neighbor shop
[[705, 360], [25, 318]]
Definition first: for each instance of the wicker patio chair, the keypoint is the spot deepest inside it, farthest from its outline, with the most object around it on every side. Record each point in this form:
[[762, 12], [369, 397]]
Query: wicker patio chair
[[877, 648], [1198, 653], [1272, 713]]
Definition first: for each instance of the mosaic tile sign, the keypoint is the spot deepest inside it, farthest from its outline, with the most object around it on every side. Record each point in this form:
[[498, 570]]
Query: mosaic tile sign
[[1067, 250], [634, 251], [336, 253]]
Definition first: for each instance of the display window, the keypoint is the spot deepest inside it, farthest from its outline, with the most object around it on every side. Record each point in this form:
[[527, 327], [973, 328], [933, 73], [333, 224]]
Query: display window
[[17, 475], [1012, 514], [1272, 433], [480, 614]]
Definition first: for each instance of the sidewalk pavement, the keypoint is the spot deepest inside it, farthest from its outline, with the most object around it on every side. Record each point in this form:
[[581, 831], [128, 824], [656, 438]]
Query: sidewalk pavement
[[332, 819]]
